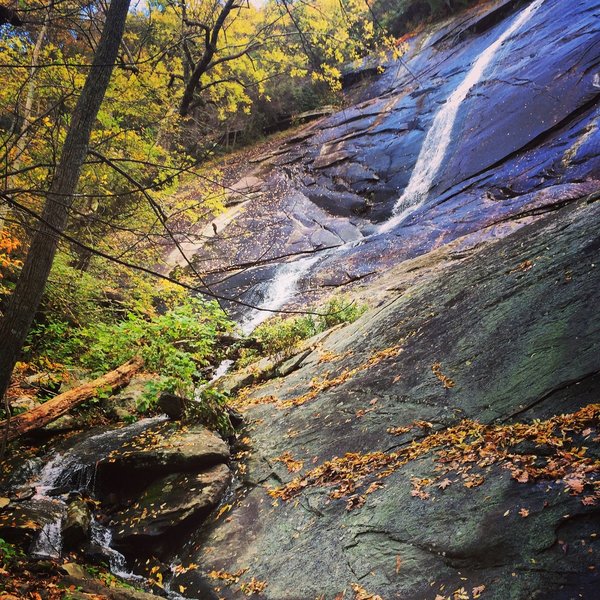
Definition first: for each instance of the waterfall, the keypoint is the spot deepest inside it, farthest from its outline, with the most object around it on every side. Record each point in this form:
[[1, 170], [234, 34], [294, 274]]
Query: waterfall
[[48, 543], [439, 135], [279, 290], [74, 470]]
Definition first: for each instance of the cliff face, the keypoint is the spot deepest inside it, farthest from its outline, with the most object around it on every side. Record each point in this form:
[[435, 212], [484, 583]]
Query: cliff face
[[522, 140], [417, 453], [446, 481]]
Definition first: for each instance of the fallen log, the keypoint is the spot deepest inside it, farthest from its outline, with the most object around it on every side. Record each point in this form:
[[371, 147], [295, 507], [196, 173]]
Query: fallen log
[[59, 405]]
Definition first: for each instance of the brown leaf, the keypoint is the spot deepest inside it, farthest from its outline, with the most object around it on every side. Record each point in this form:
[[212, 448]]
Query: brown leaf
[[477, 591], [575, 484], [522, 477], [398, 564], [524, 512]]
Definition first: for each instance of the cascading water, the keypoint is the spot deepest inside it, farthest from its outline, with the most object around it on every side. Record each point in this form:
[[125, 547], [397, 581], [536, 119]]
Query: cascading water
[[280, 289], [275, 293], [439, 135], [74, 471]]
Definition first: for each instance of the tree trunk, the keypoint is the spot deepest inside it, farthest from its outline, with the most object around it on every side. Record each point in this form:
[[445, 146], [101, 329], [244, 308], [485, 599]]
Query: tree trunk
[[204, 64], [59, 405], [27, 295]]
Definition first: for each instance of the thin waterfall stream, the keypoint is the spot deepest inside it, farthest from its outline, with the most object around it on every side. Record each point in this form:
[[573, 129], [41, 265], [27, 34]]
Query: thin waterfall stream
[[439, 136], [281, 288], [284, 284], [74, 470]]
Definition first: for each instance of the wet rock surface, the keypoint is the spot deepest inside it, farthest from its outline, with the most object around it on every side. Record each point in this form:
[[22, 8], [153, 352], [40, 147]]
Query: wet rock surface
[[482, 311], [524, 138], [109, 489], [166, 449], [512, 325], [169, 502]]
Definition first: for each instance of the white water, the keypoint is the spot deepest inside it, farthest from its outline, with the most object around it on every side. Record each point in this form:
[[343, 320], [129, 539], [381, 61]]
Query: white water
[[48, 544], [439, 135], [222, 369], [118, 565], [280, 289], [74, 470]]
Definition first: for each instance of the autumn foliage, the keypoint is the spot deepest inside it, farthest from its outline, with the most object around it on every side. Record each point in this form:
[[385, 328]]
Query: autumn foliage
[[8, 263], [465, 450]]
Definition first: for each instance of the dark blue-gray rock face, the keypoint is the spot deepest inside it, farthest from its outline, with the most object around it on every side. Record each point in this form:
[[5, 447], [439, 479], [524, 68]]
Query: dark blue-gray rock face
[[513, 324], [524, 139]]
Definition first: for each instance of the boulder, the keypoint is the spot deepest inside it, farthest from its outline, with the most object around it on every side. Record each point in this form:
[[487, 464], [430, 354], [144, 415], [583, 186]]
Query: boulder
[[43, 381], [173, 406], [168, 448], [65, 423], [76, 526], [169, 502], [127, 399], [21, 523]]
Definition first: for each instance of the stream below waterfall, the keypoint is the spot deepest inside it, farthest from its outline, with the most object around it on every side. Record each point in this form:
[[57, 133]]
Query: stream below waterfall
[[73, 471]]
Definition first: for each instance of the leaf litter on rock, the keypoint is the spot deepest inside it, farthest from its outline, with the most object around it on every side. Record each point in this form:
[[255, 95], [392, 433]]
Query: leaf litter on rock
[[462, 447]]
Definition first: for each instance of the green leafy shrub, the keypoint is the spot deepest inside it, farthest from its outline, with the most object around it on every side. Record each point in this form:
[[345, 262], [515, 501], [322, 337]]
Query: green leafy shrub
[[280, 336], [173, 345], [75, 300], [339, 310], [210, 410], [8, 552]]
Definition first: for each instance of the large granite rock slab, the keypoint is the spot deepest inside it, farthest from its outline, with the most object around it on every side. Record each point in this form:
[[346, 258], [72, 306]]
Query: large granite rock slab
[[169, 502], [168, 448], [508, 332]]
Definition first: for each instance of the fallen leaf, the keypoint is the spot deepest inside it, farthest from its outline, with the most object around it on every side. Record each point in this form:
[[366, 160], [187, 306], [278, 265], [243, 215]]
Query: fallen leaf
[[522, 477], [254, 586], [223, 509], [477, 591], [575, 484], [361, 594], [398, 564], [524, 512]]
